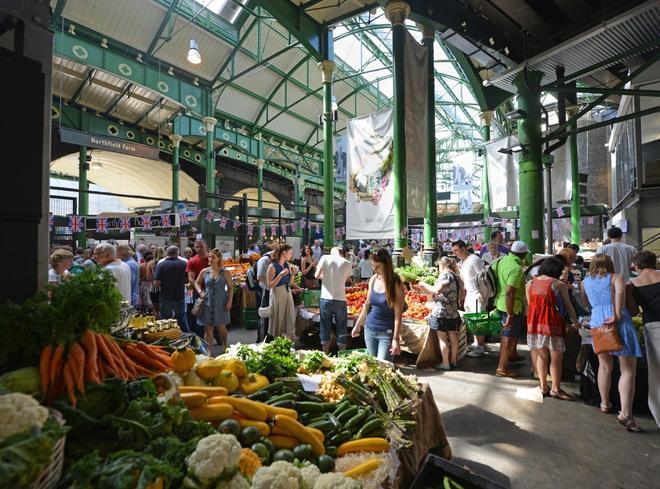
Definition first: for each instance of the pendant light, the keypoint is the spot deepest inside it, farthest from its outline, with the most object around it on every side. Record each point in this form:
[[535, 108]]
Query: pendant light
[[193, 53]]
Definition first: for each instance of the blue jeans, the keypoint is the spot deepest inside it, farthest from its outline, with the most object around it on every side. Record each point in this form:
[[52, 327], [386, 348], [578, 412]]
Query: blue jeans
[[334, 309], [175, 309], [378, 344]]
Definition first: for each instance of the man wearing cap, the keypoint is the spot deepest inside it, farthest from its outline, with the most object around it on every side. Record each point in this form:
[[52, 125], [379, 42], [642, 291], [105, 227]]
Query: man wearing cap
[[510, 303]]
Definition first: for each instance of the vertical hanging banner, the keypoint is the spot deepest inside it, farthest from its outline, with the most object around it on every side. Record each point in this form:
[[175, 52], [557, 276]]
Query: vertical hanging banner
[[416, 94], [369, 162]]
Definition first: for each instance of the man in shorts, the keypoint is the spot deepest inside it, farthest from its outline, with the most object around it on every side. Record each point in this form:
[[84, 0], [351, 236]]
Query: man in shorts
[[510, 303]]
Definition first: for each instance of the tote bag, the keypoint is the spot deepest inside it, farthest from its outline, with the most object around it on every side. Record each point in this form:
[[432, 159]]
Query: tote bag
[[606, 338]]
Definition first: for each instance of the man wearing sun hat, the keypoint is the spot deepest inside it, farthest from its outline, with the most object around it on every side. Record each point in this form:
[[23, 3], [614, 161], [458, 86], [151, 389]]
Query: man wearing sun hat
[[510, 301]]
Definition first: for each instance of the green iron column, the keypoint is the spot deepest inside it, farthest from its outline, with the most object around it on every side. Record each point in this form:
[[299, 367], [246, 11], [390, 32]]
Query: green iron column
[[300, 198], [486, 119], [209, 125], [176, 168], [396, 12], [530, 172], [576, 234], [431, 215], [83, 196], [260, 187], [327, 68]]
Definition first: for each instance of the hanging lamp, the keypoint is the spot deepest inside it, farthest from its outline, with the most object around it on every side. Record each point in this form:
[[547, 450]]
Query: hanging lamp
[[193, 53]]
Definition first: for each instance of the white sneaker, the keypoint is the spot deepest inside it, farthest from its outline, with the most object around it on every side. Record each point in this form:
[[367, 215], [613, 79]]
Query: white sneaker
[[475, 353]]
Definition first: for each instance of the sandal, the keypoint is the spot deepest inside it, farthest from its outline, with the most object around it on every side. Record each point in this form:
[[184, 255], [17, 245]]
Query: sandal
[[606, 408], [545, 393], [505, 373], [516, 358], [561, 395], [629, 424]]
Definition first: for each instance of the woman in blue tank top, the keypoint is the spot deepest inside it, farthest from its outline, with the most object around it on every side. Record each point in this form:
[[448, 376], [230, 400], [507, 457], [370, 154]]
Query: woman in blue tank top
[[381, 314]]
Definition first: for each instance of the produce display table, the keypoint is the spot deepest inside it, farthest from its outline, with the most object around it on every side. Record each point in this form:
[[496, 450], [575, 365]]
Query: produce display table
[[429, 434]]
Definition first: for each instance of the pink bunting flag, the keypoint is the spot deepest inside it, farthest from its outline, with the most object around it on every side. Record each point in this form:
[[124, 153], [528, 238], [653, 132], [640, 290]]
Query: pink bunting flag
[[76, 224], [250, 229], [209, 216], [125, 224], [223, 222], [560, 211], [102, 225], [237, 224], [165, 220], [273, 230], [590, 220], [183, 219]]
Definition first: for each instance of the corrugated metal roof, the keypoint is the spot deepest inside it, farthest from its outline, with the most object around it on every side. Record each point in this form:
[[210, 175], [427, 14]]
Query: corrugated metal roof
[[129, 21], [234, 102], [292, 127], [332, 9], [609, 40]]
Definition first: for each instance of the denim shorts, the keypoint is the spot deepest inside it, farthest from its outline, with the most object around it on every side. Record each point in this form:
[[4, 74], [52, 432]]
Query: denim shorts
[[518, 325], [334, 310], [378, 343]]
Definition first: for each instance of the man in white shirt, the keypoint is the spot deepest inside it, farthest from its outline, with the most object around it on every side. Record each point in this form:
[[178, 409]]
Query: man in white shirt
[[470, 265], [334, 271], [317, 250], [620, 253], [105, 255]]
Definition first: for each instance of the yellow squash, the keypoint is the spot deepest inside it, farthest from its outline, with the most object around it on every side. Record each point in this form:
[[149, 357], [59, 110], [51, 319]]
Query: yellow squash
[[237, 366], [212, 412], [364, 468], [248, 408], [301, 433], [251, 383], [273, 411], [204, 389], [183, 360], [209, 369], [193, 399], [363, 445], [226, 379], [263, 428], [283, 441]]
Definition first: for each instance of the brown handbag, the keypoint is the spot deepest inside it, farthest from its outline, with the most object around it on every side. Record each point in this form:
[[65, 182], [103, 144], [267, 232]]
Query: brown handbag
[[606, 338]]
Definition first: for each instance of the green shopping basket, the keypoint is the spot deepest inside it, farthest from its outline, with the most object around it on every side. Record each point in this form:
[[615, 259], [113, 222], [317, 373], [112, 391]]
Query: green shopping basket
[[312, 298], [483, 323]]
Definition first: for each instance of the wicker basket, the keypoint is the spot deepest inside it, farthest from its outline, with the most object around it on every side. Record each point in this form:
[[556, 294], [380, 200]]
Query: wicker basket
[[52, 473]]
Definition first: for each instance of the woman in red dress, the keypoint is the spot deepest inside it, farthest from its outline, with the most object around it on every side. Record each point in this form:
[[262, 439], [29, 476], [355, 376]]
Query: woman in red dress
[[549, 303]]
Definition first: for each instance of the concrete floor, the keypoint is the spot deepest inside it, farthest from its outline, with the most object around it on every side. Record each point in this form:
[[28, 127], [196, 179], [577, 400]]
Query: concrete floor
[[503, 429]]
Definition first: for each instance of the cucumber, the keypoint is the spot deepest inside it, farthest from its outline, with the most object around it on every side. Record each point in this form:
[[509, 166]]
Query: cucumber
[[286, 403], [354, 424], [348, 414], [288, 396], [260, 396], [334, 420], [331, 451], [324, 426], [304, 396], [374, 425], [272, 388], [307, 418], [340, 438], [314, 407], [345, 404]]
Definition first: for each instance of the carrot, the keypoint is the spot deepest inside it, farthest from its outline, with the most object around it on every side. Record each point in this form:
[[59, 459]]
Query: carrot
[[56, 362], [156, 356], [119, 358], [143, 371], [108, 356], [127, 362], [139, 356], [44, 367], [100, 368], [68, 380], [54, 389], [78, 367], [91, 355]]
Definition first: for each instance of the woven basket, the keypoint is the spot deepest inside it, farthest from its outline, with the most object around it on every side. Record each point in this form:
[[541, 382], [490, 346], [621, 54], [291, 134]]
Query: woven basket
[[51, 475]]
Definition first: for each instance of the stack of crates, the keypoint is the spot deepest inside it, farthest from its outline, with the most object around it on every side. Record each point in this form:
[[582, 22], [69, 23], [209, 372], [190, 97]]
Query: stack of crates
[[250, 318]]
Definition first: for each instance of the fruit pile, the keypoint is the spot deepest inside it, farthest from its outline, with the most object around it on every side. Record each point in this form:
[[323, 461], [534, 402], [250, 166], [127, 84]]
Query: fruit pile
[[417, 306], [355, 300]]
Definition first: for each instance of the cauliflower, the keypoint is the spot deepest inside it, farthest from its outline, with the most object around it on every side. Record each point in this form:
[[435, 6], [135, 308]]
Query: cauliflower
[[214, 456], [18, 413], [236, 482], [336, 480], [308, 475], [279, 475]]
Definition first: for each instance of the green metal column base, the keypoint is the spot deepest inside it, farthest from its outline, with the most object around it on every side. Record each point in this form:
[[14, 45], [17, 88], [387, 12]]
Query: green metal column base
[[430, 256]]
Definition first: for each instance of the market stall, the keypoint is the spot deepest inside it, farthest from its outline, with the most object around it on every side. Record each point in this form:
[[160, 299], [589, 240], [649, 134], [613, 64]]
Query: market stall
[[90, 404]]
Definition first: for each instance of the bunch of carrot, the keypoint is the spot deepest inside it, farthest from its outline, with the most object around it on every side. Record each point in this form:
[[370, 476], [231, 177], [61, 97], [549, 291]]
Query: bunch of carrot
[[95, 358]]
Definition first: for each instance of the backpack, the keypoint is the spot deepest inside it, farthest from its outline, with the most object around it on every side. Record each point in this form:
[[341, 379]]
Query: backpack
[[251, 278], [486, 283]]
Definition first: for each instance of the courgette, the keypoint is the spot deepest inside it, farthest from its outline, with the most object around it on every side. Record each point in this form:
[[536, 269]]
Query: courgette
[[260, 396], [314, 407], [354, 424], [307, 418], [345, 404], [348, 414], [331, 450], [285, 403], [340, 438], [272, 388], [288, 396], [324, 426], [304, 396], [374, 425]]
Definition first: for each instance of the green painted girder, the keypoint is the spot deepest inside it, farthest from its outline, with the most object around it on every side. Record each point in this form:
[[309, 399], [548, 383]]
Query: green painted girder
[[193, 12], [149, 110], [300, 24], [234, 50], [351, 14], [166, 20], [59, 8]]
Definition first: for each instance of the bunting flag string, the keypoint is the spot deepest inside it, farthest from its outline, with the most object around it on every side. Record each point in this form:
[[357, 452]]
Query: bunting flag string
[[165, 220], [183, 219], [590, 220], [102, 225], [76, 224]]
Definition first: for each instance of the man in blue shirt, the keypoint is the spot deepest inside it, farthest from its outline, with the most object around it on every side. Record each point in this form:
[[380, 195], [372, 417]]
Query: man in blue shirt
[[498, 238], [125, 254], [171, 277]]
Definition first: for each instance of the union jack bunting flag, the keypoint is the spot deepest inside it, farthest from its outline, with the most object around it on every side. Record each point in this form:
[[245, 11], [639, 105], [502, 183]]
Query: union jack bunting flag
[[76, 224], [102, 225], [273, 230], [165, 220], [51, 222], [223, 222], [124, 224], [237, 224], [146, 223], [590, 220], [250, 228], [209, 216], [183, 219], [560, 211]]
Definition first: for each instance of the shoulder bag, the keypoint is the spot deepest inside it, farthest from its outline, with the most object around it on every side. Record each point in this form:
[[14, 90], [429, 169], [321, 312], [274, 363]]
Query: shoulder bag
[[606, 338]]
